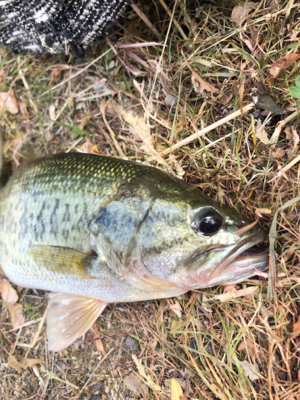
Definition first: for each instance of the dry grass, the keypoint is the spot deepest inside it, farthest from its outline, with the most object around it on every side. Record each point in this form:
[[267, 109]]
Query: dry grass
[[126, 99]]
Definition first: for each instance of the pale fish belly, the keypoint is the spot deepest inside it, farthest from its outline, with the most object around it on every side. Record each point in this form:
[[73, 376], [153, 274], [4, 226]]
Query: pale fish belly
[[102, 283]]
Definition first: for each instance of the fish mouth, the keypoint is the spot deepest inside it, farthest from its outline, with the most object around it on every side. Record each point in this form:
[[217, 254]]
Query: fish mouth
[[239, 263]]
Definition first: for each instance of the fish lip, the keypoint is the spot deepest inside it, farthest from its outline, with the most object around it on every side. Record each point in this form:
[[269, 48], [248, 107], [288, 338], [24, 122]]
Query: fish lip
[[238, 265], [239, 254]]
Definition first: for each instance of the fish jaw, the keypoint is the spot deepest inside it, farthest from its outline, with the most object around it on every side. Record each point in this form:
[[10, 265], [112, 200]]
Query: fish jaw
[[234, 264]]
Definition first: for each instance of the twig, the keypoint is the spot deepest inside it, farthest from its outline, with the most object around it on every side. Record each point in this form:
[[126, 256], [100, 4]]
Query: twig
[[281, 124], [112, 134], [209, 128], [288, 166]]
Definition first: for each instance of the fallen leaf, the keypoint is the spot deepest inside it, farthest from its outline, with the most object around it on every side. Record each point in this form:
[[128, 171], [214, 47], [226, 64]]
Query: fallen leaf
[[261, 134], [283, 63], [24, 364], [220, 391], [97, 340], [177, 327], [278, 154], [233, 294], [228, 288], [14, 363], [251, 370], [176, 308], [84, 122], [292, 135], [16, 314], [8, 101], [176, 391], [240, 12], [137, 122], [135, 384], [200, 85], [246, 344], [8, 293], [296, 330], [145, 375]]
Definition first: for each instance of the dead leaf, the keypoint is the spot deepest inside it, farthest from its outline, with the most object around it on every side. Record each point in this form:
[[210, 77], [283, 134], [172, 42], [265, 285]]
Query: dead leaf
[[296, 330], [176, 327], [176, 391], [135, 384], [228, 288], [97, 340], [233, 294], [8, 101], [16, 315], [200, 85], [240, 12], [261, 134], [292, 135], [84, 122], [278, 154], [24, 364], [14, 363], [283, 63], [246, 344], [8, 293], [137, 122], [176, 308], [251, 370]]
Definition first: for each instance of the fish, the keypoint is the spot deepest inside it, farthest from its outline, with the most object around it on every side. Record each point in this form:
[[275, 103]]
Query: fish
[[97, 230]]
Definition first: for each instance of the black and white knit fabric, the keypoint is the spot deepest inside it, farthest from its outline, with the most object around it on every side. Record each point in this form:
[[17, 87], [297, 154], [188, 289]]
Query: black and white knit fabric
[[56, 26]]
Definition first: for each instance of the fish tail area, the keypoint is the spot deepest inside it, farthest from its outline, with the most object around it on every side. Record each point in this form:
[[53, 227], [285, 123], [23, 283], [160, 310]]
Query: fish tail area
[[69, 317]]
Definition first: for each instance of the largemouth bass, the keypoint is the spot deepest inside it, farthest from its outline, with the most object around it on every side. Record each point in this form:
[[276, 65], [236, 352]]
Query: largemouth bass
[[99, 230]]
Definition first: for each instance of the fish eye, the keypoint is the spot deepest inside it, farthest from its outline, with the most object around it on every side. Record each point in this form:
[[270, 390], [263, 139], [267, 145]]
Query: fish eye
[[207, 223]]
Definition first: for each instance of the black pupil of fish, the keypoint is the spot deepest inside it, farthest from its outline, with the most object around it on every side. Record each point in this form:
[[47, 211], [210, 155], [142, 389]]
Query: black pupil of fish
[[209, 225]]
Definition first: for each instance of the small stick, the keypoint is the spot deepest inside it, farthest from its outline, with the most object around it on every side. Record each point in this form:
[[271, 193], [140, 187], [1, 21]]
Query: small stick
[[281, 124], [37, 334], [209, 128], [287, 167]]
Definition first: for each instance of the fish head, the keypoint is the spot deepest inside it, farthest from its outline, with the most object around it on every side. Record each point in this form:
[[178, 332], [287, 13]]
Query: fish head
[[191, 242]]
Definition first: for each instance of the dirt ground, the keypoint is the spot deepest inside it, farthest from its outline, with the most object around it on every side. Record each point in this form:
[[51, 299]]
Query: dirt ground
[[143, 90]]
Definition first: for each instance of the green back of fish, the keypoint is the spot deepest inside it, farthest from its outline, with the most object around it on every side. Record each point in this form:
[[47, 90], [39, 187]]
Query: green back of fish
[[52, 201]]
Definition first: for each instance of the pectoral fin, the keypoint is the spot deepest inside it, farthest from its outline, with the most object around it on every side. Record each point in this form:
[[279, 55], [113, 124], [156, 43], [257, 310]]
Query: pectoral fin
[[69, 317], [63, 260]]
